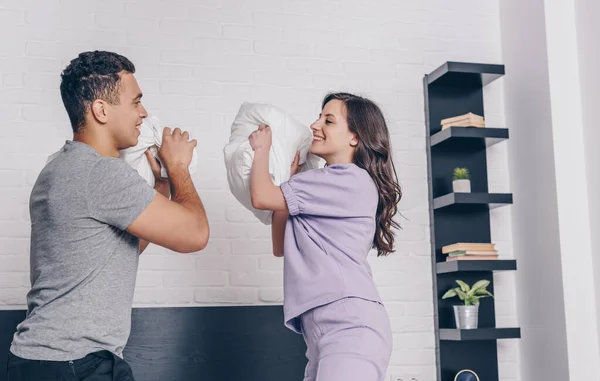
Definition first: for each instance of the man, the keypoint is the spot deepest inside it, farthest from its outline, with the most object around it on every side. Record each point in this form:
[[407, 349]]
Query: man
[[91, 215]]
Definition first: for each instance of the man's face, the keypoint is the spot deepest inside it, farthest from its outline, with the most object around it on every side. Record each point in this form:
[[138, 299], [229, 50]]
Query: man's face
[[126, 118]]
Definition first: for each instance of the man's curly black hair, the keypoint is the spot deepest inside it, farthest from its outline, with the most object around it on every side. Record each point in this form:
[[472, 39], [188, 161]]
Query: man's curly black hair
[[90, 76]]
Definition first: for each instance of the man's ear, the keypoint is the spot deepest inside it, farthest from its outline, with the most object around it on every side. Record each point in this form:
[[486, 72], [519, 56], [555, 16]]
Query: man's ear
[[99, 111]]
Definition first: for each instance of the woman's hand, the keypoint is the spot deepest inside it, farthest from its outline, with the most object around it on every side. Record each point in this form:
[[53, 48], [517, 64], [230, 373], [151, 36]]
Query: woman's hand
[[261, 138], [295, 164]]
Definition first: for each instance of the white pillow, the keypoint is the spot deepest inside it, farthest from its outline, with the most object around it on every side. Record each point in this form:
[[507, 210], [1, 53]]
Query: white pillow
[[289, 136], [150, 137]]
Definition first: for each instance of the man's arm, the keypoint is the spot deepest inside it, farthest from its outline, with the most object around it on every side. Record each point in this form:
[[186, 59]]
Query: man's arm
[[161, 185], [179, 224]]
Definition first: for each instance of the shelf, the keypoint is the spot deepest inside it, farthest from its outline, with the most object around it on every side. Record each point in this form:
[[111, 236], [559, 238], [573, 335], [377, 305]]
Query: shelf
[[452, 89], [465, 74], [489, 265], [479, 334], [493, 200], [491, 135]]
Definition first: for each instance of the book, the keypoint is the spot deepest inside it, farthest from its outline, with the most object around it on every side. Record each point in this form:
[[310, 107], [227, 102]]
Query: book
[[447, 127], [463, 124], [473, 252], [472, 258], [467, 246], [469, 116]]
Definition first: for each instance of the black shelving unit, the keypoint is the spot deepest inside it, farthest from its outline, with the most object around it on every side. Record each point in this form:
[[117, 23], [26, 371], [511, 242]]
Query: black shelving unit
[[461, 134], [461, 266], [456, 88], [479, 334], [488, 200]]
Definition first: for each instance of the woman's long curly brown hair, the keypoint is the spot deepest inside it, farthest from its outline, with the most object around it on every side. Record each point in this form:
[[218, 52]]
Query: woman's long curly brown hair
[[374, 155]]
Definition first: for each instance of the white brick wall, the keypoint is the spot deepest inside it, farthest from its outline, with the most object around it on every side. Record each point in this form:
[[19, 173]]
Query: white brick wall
[[498, 182], [197, 61]]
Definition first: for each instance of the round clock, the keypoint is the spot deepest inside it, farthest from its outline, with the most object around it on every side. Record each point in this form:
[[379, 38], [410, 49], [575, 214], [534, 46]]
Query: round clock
[[466, 375]]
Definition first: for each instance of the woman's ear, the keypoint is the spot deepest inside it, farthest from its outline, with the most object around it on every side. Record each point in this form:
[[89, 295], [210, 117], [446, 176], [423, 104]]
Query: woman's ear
[[353, 140]]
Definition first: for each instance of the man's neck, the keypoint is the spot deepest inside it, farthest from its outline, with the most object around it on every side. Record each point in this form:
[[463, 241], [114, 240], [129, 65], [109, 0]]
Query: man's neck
[[103, 145]]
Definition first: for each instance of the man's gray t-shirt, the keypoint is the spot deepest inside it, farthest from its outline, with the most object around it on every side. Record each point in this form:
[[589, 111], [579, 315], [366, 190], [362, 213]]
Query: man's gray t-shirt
[[83, 262]]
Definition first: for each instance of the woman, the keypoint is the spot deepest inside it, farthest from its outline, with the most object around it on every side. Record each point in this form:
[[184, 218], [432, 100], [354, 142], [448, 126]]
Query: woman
[[326, 221]]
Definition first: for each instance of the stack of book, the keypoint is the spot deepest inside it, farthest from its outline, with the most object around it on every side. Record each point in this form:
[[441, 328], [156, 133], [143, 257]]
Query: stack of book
[[466, 251], [466, 120]]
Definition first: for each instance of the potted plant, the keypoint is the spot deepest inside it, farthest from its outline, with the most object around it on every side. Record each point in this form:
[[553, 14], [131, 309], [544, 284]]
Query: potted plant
[[466, 315], [461, 180]]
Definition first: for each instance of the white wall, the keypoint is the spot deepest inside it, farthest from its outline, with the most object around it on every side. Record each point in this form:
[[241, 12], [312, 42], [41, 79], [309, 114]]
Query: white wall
[[572, 191], [550, 100], [501, 232], [536, 243], [589, 62], [197, 61]]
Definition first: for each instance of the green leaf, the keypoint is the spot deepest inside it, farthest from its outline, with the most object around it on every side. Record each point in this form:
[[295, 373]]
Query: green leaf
[[463, 286], [480, 284], [449, 294], [484, 292], [461, 174], [472, 300], [461, 294]]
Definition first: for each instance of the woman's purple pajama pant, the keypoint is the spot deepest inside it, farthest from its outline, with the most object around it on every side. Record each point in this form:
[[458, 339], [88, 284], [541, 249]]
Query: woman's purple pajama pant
[[347, 340]]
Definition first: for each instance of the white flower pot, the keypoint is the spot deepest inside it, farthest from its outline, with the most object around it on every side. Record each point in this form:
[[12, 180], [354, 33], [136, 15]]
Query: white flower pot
[[461, 186], [466, 317]]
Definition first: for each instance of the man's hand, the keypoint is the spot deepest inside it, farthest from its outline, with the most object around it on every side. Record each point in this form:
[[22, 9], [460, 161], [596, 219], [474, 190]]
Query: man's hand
[[176, 151], [161, 184]]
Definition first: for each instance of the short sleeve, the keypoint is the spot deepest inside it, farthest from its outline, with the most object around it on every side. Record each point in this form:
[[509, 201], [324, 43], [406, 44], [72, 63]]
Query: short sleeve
[[116, 193], [335, 191]]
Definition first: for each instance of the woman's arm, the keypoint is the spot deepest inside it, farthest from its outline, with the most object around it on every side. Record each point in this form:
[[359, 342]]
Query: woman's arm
[[263, 193], [280, 217], [278, 231]]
